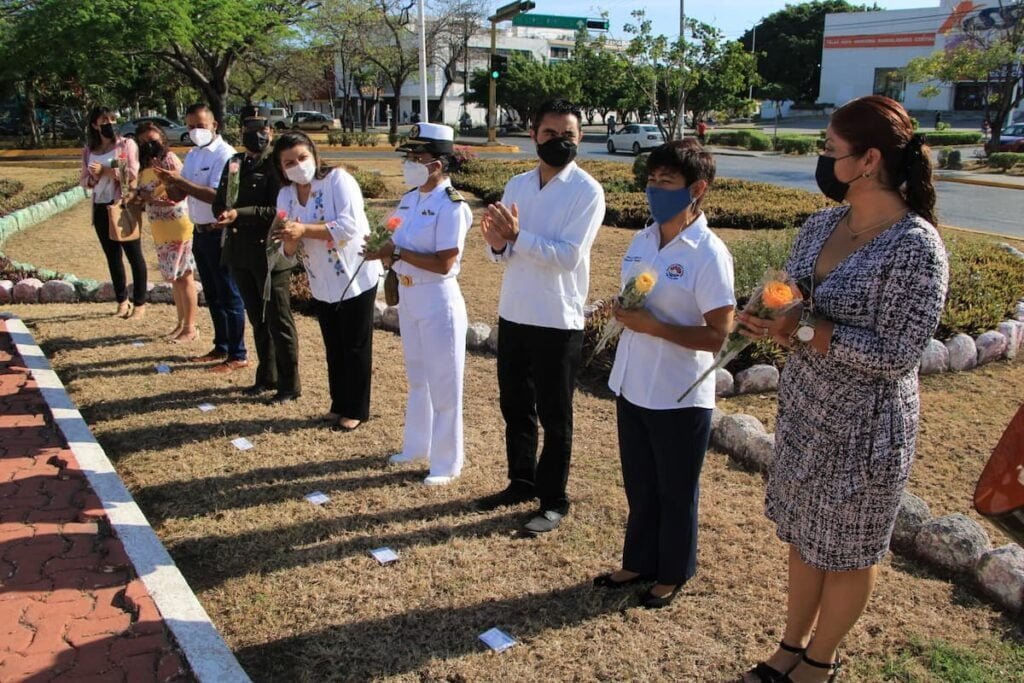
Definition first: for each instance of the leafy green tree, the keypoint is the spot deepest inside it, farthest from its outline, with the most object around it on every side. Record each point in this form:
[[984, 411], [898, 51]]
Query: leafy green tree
[[721, 71], [526, 85], [789, 44], [600, 73]]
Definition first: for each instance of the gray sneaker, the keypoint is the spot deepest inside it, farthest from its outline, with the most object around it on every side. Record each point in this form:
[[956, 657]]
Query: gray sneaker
[[543, 522]]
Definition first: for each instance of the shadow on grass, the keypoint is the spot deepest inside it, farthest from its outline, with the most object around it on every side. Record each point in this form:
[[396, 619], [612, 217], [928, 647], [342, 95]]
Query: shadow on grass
[[171, 400], [54, 345], [402, 643], [210, 560]]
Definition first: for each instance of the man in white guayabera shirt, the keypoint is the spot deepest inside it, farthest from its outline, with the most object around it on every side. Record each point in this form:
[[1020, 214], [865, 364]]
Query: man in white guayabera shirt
[[542, 230]]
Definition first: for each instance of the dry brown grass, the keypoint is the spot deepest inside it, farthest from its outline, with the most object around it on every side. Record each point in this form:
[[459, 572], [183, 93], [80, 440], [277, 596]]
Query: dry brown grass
[[34, 177], [295, 593]]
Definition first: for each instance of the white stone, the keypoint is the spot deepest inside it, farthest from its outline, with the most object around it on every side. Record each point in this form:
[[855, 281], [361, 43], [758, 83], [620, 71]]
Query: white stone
[[6, 291], [953, 543], [716, 418], [492, 340], [27, 291], [106, 292], [389, 318], [935, 358], [912, 515], [1010, 249], [476, 336], [756, 379], [1014, 333], [991, 346], [723, 382], [1001, 574], [963, 354], [162, 293], [734, 432], [58, 292], [378, 309], [760, 451]]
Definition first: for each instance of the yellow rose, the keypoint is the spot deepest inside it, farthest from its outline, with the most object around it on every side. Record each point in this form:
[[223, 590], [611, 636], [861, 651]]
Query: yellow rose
[[644, 283]]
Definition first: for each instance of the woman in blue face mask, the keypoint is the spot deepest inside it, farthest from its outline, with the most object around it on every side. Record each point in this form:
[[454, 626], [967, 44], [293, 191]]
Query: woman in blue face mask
[[668, 344]]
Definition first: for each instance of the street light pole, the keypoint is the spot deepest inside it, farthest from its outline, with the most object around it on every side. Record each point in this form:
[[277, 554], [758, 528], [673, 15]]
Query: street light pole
[[424, 114], [753, 50], [680, 122], [492, 88]]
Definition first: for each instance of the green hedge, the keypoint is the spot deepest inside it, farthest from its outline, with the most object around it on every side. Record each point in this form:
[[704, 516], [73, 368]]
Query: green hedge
[[9, 188], [370, 183], [984, 286], [952, 137], [798, 144], [747, 139], [21, 200], [1005, 160]]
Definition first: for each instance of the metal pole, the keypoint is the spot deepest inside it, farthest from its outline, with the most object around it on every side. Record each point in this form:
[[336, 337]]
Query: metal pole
[[424, 114], [753, 49], [680, 122], [492, 91]]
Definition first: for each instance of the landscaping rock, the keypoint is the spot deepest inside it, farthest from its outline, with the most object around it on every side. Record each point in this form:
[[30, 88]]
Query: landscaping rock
[[6, 291], [1019, 315], [734, 434], [87, 289], [1014, 333], [1010, 249], [760, 451], [1001, 574], [913, 515], [935, 358], [378, 311], [724, 382], [105, 292], [27, 291], [963, 354], [162, 293], [716, 419], [991, 346], [389, 318], [58, 292], [953, 543], [492, 340], [476, 336], [756, 379]]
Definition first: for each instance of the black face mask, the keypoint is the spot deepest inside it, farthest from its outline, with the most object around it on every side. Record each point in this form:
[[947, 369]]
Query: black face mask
[[107, 130], [255, 141], [830, 186], [557, 152], [151, 149]]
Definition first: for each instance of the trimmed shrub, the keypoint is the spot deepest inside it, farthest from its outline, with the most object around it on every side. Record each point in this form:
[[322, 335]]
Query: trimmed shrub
[[797, 144], [955, 161], [747, 139], [1005, 160], [943, 125], [640, 171], [334, 137], [952, 137], [24, 199], [9, 187], [985, 283], [461, 156], [16, 275], [370, 183]]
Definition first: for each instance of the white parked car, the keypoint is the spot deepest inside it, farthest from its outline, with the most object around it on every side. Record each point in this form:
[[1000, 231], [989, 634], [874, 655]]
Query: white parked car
[[175, 132], [635, 137], [278, 117]]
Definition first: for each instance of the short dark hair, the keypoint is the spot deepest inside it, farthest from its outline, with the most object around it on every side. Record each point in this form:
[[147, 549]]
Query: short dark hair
[[294, 139], [686, 157], [197, 108], [556, 106]]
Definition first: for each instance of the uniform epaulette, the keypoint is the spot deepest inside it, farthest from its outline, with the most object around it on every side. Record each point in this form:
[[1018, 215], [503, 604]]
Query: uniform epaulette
[[453, 194]]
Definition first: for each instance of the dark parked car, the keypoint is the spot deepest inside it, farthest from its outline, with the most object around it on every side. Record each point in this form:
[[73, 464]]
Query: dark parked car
[[1011, 140]]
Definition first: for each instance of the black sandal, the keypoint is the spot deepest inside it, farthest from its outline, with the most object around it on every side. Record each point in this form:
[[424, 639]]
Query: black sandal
[[833, 667], [769, 674], [606, 581]]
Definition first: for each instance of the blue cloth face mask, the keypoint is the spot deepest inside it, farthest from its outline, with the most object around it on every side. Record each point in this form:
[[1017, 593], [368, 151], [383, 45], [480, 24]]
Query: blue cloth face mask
[[667, 204]]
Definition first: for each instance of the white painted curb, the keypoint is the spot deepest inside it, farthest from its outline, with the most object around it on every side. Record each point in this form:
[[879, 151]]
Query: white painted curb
[[208, 655]]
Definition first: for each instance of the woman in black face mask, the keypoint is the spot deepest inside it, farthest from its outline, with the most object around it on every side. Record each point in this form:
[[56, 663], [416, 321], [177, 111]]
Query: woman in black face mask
[[874, 275], [104, 152]]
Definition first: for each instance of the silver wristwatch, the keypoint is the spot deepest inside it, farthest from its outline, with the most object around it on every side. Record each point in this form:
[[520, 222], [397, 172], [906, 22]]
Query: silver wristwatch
[[396, 254]]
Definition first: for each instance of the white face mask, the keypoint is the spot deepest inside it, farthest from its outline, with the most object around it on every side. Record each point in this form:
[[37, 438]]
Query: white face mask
[[302, 173], [200, 137], [415, 173]]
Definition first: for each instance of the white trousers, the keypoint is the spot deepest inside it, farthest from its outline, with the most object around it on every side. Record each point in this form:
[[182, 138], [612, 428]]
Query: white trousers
[[432, 321]]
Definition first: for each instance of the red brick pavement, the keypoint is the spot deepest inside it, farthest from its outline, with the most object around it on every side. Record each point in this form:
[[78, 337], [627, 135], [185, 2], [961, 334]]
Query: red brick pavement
[[71, 606]]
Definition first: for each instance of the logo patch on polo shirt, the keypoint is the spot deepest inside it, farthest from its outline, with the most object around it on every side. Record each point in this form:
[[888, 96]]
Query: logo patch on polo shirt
[[674, 272]]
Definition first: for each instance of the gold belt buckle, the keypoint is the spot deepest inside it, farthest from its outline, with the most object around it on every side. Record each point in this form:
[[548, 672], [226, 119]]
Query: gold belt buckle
[[405, 280]]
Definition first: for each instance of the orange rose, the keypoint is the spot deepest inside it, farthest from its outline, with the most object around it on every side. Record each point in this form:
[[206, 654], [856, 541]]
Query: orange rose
[[776, 295], [393, 223]]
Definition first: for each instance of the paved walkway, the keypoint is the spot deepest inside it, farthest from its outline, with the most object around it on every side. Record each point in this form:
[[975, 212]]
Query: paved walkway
[[71, 606]]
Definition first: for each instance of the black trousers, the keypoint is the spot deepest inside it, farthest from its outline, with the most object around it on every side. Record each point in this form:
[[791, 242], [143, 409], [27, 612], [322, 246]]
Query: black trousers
[[273, 328], [347, 328], [537, 369], [113, 250], [662, 452]]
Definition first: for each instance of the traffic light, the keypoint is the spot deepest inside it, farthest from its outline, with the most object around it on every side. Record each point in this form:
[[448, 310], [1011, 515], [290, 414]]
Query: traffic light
[[499, 66]]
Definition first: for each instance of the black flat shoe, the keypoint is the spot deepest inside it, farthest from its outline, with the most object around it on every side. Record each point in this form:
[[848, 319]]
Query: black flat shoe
[[606, 581], [651, 601], [769, 674], [282, 397]]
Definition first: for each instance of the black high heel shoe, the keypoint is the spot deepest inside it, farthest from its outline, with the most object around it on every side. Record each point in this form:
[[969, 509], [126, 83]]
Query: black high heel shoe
[[832, 667], [652, 601], [769, 674]]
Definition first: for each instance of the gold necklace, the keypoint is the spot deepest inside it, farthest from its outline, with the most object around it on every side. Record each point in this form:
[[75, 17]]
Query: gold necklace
[[854, 234]]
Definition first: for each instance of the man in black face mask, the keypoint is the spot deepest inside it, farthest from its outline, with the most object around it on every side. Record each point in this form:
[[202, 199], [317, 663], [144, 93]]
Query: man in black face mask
[[542, 229], [262, 281]]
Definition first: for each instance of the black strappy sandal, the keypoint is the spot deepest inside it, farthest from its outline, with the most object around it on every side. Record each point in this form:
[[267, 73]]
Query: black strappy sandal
[[833, 667], [769, 674]]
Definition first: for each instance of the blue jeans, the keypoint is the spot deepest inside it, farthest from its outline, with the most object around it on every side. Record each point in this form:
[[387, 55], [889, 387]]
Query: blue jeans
[[222, 297]]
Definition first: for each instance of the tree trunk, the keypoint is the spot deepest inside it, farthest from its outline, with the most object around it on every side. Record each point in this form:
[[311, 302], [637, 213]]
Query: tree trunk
[[30, 114], [396, 100], [170, 105]]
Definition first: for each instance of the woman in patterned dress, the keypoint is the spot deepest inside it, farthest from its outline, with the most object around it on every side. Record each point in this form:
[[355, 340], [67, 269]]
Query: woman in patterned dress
[[326, 228], [875, 272]]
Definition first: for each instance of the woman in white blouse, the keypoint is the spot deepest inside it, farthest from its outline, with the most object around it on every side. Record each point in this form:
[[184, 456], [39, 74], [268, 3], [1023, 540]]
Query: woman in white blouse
[[665, 347], [325, 227]]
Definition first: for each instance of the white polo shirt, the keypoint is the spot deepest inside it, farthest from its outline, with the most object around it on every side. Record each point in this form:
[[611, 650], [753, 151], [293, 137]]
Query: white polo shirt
[[547, 273], [203, 166], [694, 276]]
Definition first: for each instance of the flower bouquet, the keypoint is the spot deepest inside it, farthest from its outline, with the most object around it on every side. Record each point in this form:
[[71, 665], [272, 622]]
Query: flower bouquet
[[632, 297], [381, 233], [234, 177], [776, 295], [120, 166]]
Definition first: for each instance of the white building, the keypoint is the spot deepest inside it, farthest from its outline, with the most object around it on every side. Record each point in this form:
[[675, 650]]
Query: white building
[[865, 53]]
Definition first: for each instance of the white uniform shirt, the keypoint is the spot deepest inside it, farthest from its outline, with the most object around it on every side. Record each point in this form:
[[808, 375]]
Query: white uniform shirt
[[336, 201], [694, 276], [547, 274], [203, 166], [430, 224]]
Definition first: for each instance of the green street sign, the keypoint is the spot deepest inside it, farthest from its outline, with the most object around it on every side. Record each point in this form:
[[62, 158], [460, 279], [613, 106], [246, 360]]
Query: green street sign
[[550, 21]]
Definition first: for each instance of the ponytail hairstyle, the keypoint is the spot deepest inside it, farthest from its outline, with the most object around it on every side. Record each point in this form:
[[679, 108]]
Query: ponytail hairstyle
[[883, 124]]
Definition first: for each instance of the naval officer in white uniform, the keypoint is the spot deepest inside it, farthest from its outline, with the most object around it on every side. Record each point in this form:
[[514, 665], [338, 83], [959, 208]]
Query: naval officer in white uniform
[[425, 253]]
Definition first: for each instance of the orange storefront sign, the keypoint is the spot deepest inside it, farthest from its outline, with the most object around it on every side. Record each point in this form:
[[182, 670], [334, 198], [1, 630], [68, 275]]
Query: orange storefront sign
[[880, 40]]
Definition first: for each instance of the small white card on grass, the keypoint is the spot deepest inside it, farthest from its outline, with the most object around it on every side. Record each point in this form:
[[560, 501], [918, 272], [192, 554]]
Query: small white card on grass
[[163, 369], [497, 640], [384, 555], [318, 498], [206, 407], [242, 443], [138, 344]]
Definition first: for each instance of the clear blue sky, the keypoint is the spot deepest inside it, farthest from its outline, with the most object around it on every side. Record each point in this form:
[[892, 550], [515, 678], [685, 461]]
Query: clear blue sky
[[733, 17]]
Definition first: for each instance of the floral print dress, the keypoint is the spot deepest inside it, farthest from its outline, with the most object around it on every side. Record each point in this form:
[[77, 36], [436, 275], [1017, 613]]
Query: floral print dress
[[172, 229], [848, 420]]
